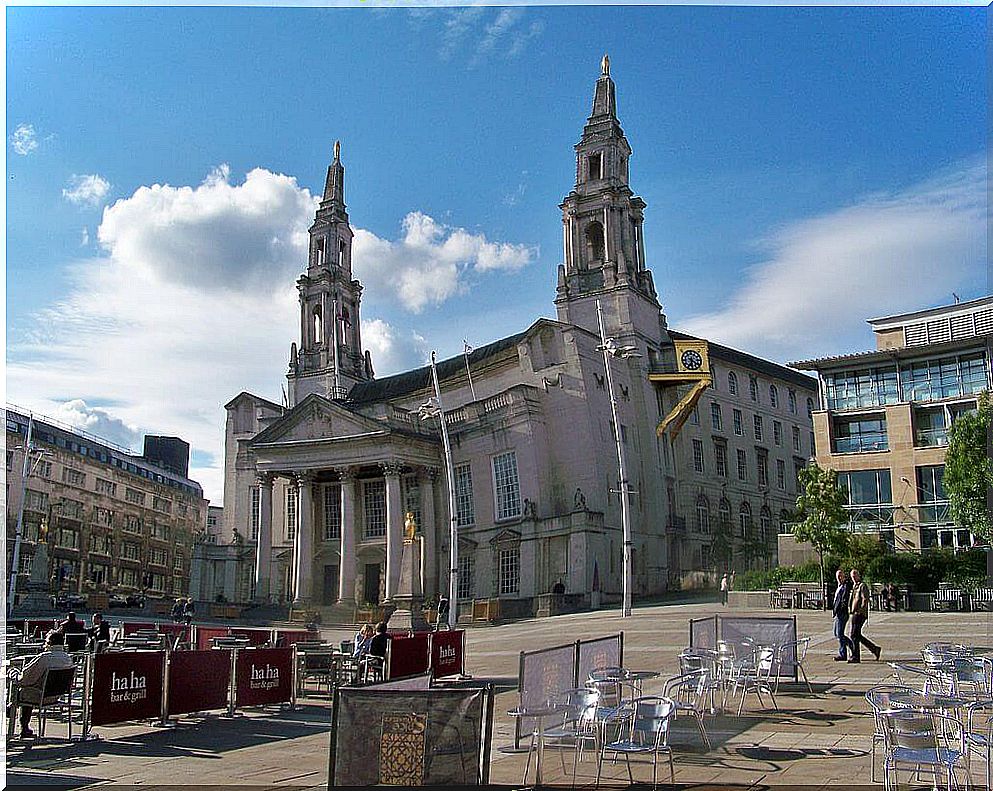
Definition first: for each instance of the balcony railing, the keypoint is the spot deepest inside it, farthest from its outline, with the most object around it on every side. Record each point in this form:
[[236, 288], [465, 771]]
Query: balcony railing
[[931, 438]]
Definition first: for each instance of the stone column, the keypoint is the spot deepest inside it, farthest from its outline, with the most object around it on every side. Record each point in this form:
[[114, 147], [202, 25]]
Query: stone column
[[347, 569], [304, 549], [263, 544], [230, 577], [429, 529], [394, 525]]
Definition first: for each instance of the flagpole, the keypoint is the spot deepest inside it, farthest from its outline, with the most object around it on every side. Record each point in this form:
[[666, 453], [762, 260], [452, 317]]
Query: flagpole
[[453, 577], [466, 351]]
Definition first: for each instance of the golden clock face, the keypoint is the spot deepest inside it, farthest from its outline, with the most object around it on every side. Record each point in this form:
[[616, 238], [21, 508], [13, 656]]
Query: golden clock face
[[691, 360]]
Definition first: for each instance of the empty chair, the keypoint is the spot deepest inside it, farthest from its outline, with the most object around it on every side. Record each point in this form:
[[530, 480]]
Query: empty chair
[[789, 657], [878, 698], [979, 735], [648, 732], [754, 674], [688, 691], [918, 677], [579, 724], [972, 675], [922, 742]]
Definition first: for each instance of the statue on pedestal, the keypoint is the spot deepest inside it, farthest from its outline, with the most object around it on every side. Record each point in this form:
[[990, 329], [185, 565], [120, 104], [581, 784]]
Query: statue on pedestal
[[409, 598]]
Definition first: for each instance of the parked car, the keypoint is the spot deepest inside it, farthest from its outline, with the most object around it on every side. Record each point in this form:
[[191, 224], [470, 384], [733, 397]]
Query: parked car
[[68, 601], [136, 600], [117, 600]]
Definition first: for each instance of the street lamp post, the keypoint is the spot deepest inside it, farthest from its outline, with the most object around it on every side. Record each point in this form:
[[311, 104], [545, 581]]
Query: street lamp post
[[434, 408], [610, 349]]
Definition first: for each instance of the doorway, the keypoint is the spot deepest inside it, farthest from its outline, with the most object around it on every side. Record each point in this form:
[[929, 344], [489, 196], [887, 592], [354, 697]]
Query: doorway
[[371, 587], [330, 585]]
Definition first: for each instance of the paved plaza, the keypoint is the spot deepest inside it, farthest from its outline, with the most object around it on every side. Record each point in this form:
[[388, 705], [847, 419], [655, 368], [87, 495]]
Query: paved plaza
[[830, 729]]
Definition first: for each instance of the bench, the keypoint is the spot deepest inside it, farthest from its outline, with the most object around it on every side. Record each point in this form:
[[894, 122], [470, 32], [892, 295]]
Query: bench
[[947, 599], [982, 600]]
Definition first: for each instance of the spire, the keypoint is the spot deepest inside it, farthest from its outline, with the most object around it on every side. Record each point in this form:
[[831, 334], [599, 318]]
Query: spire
[[334, 185], [604, 103]]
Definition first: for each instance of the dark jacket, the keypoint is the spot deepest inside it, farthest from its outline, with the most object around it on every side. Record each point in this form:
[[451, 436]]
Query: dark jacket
[[841, 595]]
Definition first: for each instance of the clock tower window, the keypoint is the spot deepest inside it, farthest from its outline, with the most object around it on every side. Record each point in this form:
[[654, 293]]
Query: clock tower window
[[318, 325], [594, 242], [594, 166]]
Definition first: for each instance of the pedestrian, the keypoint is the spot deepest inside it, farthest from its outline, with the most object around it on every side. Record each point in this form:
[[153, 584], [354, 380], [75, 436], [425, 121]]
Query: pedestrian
[[99, 633], [177, 610], [859, 610], [189, 610], [840, 610], [443, 605], [724, 590]]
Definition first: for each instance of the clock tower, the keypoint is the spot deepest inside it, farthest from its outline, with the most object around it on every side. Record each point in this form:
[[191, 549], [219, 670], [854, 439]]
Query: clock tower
[[603, 236]]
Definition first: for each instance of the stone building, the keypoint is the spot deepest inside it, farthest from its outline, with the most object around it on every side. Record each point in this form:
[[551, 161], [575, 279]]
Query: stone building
[[884, 416], [320, 487], [115, 522]]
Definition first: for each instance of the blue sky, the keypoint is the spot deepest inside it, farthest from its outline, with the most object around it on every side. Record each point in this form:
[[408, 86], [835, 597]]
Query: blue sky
[[804, 169]]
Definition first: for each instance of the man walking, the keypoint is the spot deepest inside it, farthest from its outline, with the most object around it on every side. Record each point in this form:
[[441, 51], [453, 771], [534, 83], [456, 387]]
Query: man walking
[[724, 590], [859, 609], [840, 610]]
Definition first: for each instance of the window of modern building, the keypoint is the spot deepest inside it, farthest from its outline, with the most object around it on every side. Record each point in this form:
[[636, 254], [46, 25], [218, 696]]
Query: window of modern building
[[721, 458], [465, 586], [374, 508], [698, 455], [291, 511], [736, 416], [777, 432], [753, 388], [944, 377], [745, 520], [869, 494], [931, 423], [781, 474], [716, 419], [464, 509], [762, 466], [742, 465], [856, 434], [867, 387], [796, 440], [774, 396], [509, 571], [256, 513], [506, 486], [933, 506], [732, 383], [758, 427], [702, 514], [332, 511]]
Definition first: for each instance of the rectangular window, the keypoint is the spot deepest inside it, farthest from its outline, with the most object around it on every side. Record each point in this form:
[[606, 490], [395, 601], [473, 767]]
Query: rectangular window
[[157, 556], [332, 512], [758, 428], [130, 551], [160, 531], [132, 524], [134, 496], [464, 509], [721, 459], [869, 494], [374, 508], [127, 577], [742, 465], [796, 440], [698, 455], [944, 377], [762, 466], [465, 576], [43, 469], [35, 501], [106, 487], [510, 571], [716, 418], [798, 464], [933, 503], [73, 477], [255, 514], [105, 517], [507, 487], [291, 512], [162, 504], [736, 415], [68, 538], [867, 387], [859, 434], [781, 474], [777, 432]]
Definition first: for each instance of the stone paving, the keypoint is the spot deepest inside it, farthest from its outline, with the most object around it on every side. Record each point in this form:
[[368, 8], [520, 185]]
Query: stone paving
[[830, 729]]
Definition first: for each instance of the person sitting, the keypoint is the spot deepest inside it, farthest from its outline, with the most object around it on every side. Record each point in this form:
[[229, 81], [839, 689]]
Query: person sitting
[[362, 641], [558, 588], [71, 625], [99, 633], [29, 685], [379, 643]]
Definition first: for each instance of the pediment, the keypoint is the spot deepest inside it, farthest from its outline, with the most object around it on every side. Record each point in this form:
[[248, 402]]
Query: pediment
[[506, 536], [317, 418]]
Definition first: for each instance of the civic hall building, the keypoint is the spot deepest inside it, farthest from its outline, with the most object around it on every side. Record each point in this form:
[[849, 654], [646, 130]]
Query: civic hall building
[[712, 436]]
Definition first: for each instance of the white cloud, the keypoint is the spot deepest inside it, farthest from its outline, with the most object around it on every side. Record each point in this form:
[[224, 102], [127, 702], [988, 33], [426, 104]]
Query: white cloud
[[484, 35], [98, 422], [392, 349], [24, 139], [430, 262], [86, 190], [883, 254]]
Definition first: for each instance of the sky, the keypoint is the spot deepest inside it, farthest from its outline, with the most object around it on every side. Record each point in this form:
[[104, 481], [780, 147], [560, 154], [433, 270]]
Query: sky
[[804, 170]]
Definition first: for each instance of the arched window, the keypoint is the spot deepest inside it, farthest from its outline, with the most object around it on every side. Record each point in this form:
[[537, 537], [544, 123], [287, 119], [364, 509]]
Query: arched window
[[774, 395], [792, 401], [341, 253], [732, 383], [753, 388], [810, 408], [785, 517], [745, 520], [765, 524], [345, 323], [318, 325], [702, 514], [594, 242], [724, 515]]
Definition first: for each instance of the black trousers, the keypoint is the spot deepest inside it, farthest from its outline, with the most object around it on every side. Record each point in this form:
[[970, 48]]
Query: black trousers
[[858, 621]]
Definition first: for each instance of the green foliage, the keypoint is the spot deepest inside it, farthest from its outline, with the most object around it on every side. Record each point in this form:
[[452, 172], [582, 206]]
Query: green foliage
[[821, 509], [773, 578], [969, 469]]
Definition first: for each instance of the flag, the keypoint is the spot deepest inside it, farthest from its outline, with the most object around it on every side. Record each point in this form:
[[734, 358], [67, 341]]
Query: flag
[[468, 348]]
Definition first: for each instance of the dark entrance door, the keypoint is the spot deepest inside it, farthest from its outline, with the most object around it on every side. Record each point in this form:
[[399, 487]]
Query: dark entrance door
[[330, 585], [371, 591]]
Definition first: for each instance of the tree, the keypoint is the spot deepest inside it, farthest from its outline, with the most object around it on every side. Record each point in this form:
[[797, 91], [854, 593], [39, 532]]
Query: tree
[[969, 469], [821, 511]]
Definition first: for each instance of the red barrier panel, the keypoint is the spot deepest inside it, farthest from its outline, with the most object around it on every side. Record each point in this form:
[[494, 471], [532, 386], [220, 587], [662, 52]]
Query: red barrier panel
[[130, 627], [255, 636], [286, 637], [409, 655], [448, 653], [198, 681], [263, 676], [126, 686], [206, 633], [174, 630]]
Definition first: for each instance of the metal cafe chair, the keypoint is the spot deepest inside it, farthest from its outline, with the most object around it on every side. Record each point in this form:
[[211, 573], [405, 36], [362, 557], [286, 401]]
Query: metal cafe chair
[[878, 698], [688, 691], [922, 741], [918, 677], [791, 656], [648, 733], [979, 736], [55, 692], [754, 674], [579, 724]]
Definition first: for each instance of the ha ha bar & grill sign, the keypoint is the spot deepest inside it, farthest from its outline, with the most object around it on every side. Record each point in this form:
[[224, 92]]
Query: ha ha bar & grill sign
[[263, 676], [126, 686]]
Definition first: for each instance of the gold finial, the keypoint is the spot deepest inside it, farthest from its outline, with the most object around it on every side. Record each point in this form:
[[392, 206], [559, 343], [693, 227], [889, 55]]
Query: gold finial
[[605, 66], [337, 149]]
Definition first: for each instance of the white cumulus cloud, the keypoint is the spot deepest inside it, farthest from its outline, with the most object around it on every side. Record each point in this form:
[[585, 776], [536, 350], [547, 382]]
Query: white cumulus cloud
[[393, 350], [24, 139], [99, 422], [885, 253], [430, 261], [86, 190]]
